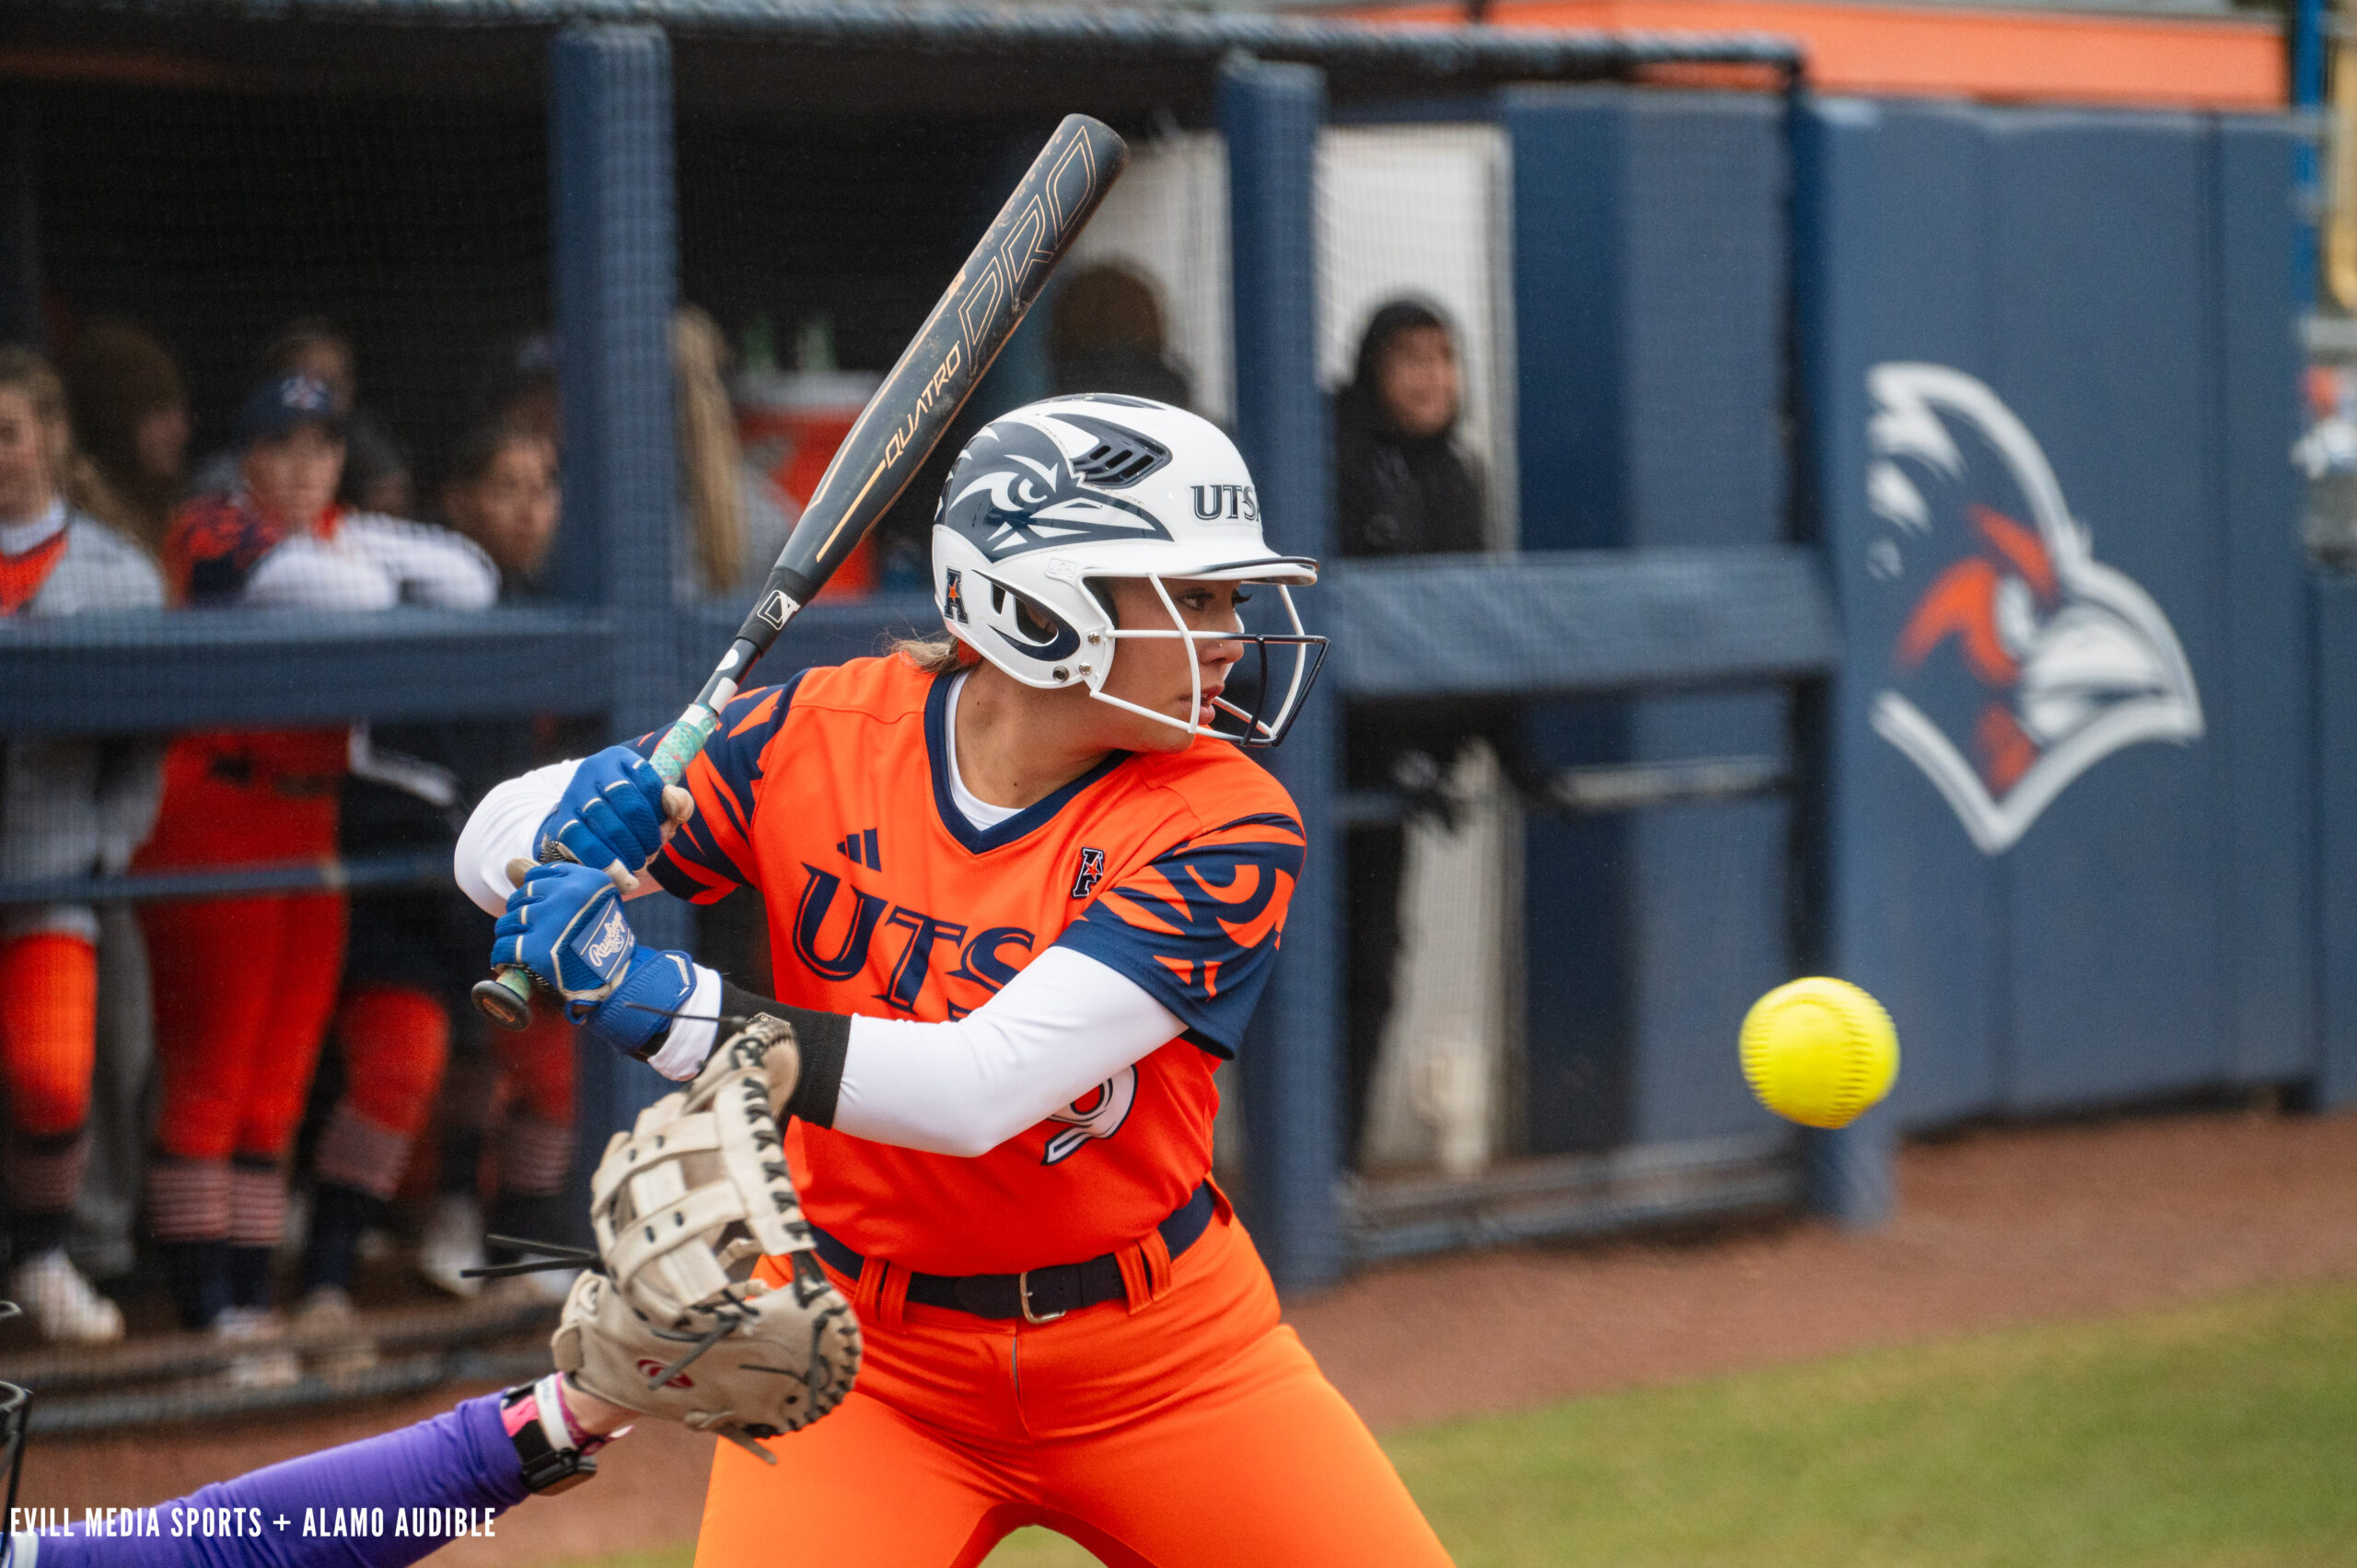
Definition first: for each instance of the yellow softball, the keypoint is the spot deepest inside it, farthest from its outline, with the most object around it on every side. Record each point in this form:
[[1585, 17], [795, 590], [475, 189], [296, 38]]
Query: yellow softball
[[1818, 1052]]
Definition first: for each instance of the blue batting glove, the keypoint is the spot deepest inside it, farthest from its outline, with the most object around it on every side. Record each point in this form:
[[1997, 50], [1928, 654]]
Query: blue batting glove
[[611, 813], [638, 1017], [565, 925], [564, 922]]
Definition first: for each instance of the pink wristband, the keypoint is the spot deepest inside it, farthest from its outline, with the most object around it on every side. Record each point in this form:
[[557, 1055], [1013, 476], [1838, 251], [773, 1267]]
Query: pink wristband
[[546, 1399]]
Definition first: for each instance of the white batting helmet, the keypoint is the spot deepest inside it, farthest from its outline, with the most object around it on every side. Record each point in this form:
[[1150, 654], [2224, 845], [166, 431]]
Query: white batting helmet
[[1046, 502]]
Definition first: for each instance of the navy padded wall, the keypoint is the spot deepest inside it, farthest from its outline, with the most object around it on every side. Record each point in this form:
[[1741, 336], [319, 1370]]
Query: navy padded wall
[[1649, 257], [2334, 608], [1577, 945], [1919, 915], [1568, 149], [2265, 729], [1702, 260], [2103, 283], [1708, 913], [1271, 115], [2117, 281], [1701, 267]]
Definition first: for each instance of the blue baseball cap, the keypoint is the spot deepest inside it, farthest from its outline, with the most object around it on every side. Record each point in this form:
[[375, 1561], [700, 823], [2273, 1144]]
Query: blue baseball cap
[[277, 407]]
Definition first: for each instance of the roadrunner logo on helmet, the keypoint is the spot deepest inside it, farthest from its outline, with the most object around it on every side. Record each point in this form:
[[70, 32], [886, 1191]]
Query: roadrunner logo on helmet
[[1049, 501]]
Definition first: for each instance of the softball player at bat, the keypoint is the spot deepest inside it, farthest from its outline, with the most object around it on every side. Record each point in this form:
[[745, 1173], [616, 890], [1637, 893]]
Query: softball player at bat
[[1023, 892]]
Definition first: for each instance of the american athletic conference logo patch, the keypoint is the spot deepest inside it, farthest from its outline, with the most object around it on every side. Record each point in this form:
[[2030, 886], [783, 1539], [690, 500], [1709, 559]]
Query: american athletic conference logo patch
[[2021, 660]]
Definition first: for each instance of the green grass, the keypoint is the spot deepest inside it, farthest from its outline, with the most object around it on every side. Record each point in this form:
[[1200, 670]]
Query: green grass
[[2221, 1435]]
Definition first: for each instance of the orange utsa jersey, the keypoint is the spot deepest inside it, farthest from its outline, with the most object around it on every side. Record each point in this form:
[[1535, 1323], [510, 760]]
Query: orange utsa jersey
[[829, 797]]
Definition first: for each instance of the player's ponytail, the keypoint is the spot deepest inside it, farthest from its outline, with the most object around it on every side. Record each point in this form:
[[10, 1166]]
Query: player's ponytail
[[934, 656]]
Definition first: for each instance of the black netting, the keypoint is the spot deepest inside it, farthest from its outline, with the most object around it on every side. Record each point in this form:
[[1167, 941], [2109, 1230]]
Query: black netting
[[417, 227], [216, 754]]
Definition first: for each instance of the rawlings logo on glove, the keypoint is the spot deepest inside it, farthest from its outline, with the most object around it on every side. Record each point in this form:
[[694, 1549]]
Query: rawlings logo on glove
[[609, 946], [564, 922], [686, 1206]]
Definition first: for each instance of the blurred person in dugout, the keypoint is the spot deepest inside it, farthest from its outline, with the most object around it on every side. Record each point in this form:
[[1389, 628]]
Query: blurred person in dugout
[[737, 518], [733, 523], [246, 984], [414, 955], [1402, 486], [734, 519], [131, 429], [127, 404], [67, 808], [516, 389], [1106, 334], [377, 471]]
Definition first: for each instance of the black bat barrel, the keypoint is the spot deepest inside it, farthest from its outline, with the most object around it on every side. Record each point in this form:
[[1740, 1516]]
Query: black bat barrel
[[906, 418]]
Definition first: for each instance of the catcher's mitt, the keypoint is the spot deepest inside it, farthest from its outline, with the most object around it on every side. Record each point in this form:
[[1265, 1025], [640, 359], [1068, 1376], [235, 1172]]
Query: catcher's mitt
[[684, 1205]]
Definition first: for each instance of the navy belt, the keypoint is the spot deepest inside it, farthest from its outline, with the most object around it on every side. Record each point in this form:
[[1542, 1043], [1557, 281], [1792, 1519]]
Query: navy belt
[[1036, 1295]]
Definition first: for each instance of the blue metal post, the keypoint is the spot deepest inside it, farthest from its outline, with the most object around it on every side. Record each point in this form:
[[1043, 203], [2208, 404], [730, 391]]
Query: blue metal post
[[1291, 1078], [2307, 98], [1852, 1178], [2333, 639], [616, 245], [616, 248], [1852, 1174]]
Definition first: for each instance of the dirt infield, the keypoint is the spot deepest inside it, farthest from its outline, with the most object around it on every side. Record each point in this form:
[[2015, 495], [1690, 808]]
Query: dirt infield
[[1995, 1227]]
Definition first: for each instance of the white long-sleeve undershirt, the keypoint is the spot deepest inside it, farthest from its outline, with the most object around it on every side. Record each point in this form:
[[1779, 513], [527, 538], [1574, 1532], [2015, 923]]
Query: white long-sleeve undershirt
[[1063, 1025], [501, 829]]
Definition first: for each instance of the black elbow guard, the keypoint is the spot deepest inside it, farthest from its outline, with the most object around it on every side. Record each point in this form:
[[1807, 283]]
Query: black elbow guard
[[821, 1038]]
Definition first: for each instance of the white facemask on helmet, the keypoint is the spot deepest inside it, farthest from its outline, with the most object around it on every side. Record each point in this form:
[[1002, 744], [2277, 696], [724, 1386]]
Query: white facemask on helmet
[[1057, 497]]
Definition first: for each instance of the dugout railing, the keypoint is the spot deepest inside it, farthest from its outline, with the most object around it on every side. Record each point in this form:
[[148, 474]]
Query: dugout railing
[[1533, 626]]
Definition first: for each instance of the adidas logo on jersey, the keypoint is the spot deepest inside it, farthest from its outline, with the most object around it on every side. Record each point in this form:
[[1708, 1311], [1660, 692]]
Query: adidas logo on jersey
[[860, 849]]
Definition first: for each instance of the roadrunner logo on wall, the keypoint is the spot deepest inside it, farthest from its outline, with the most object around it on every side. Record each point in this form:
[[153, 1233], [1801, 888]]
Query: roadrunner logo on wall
[[2022, 660]]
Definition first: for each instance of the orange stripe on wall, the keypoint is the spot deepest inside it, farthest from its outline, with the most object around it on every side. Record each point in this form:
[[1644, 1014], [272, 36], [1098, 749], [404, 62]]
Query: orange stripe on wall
[[2007, 56]]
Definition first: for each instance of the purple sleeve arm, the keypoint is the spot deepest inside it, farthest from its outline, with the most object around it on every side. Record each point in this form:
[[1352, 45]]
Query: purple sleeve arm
[[383, 1502]]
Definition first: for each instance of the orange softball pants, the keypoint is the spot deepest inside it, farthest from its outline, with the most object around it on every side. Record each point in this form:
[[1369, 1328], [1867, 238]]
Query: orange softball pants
[[48, 1030], [538, 1064], [396, 1043], [244, 987], [1193, 1431]]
